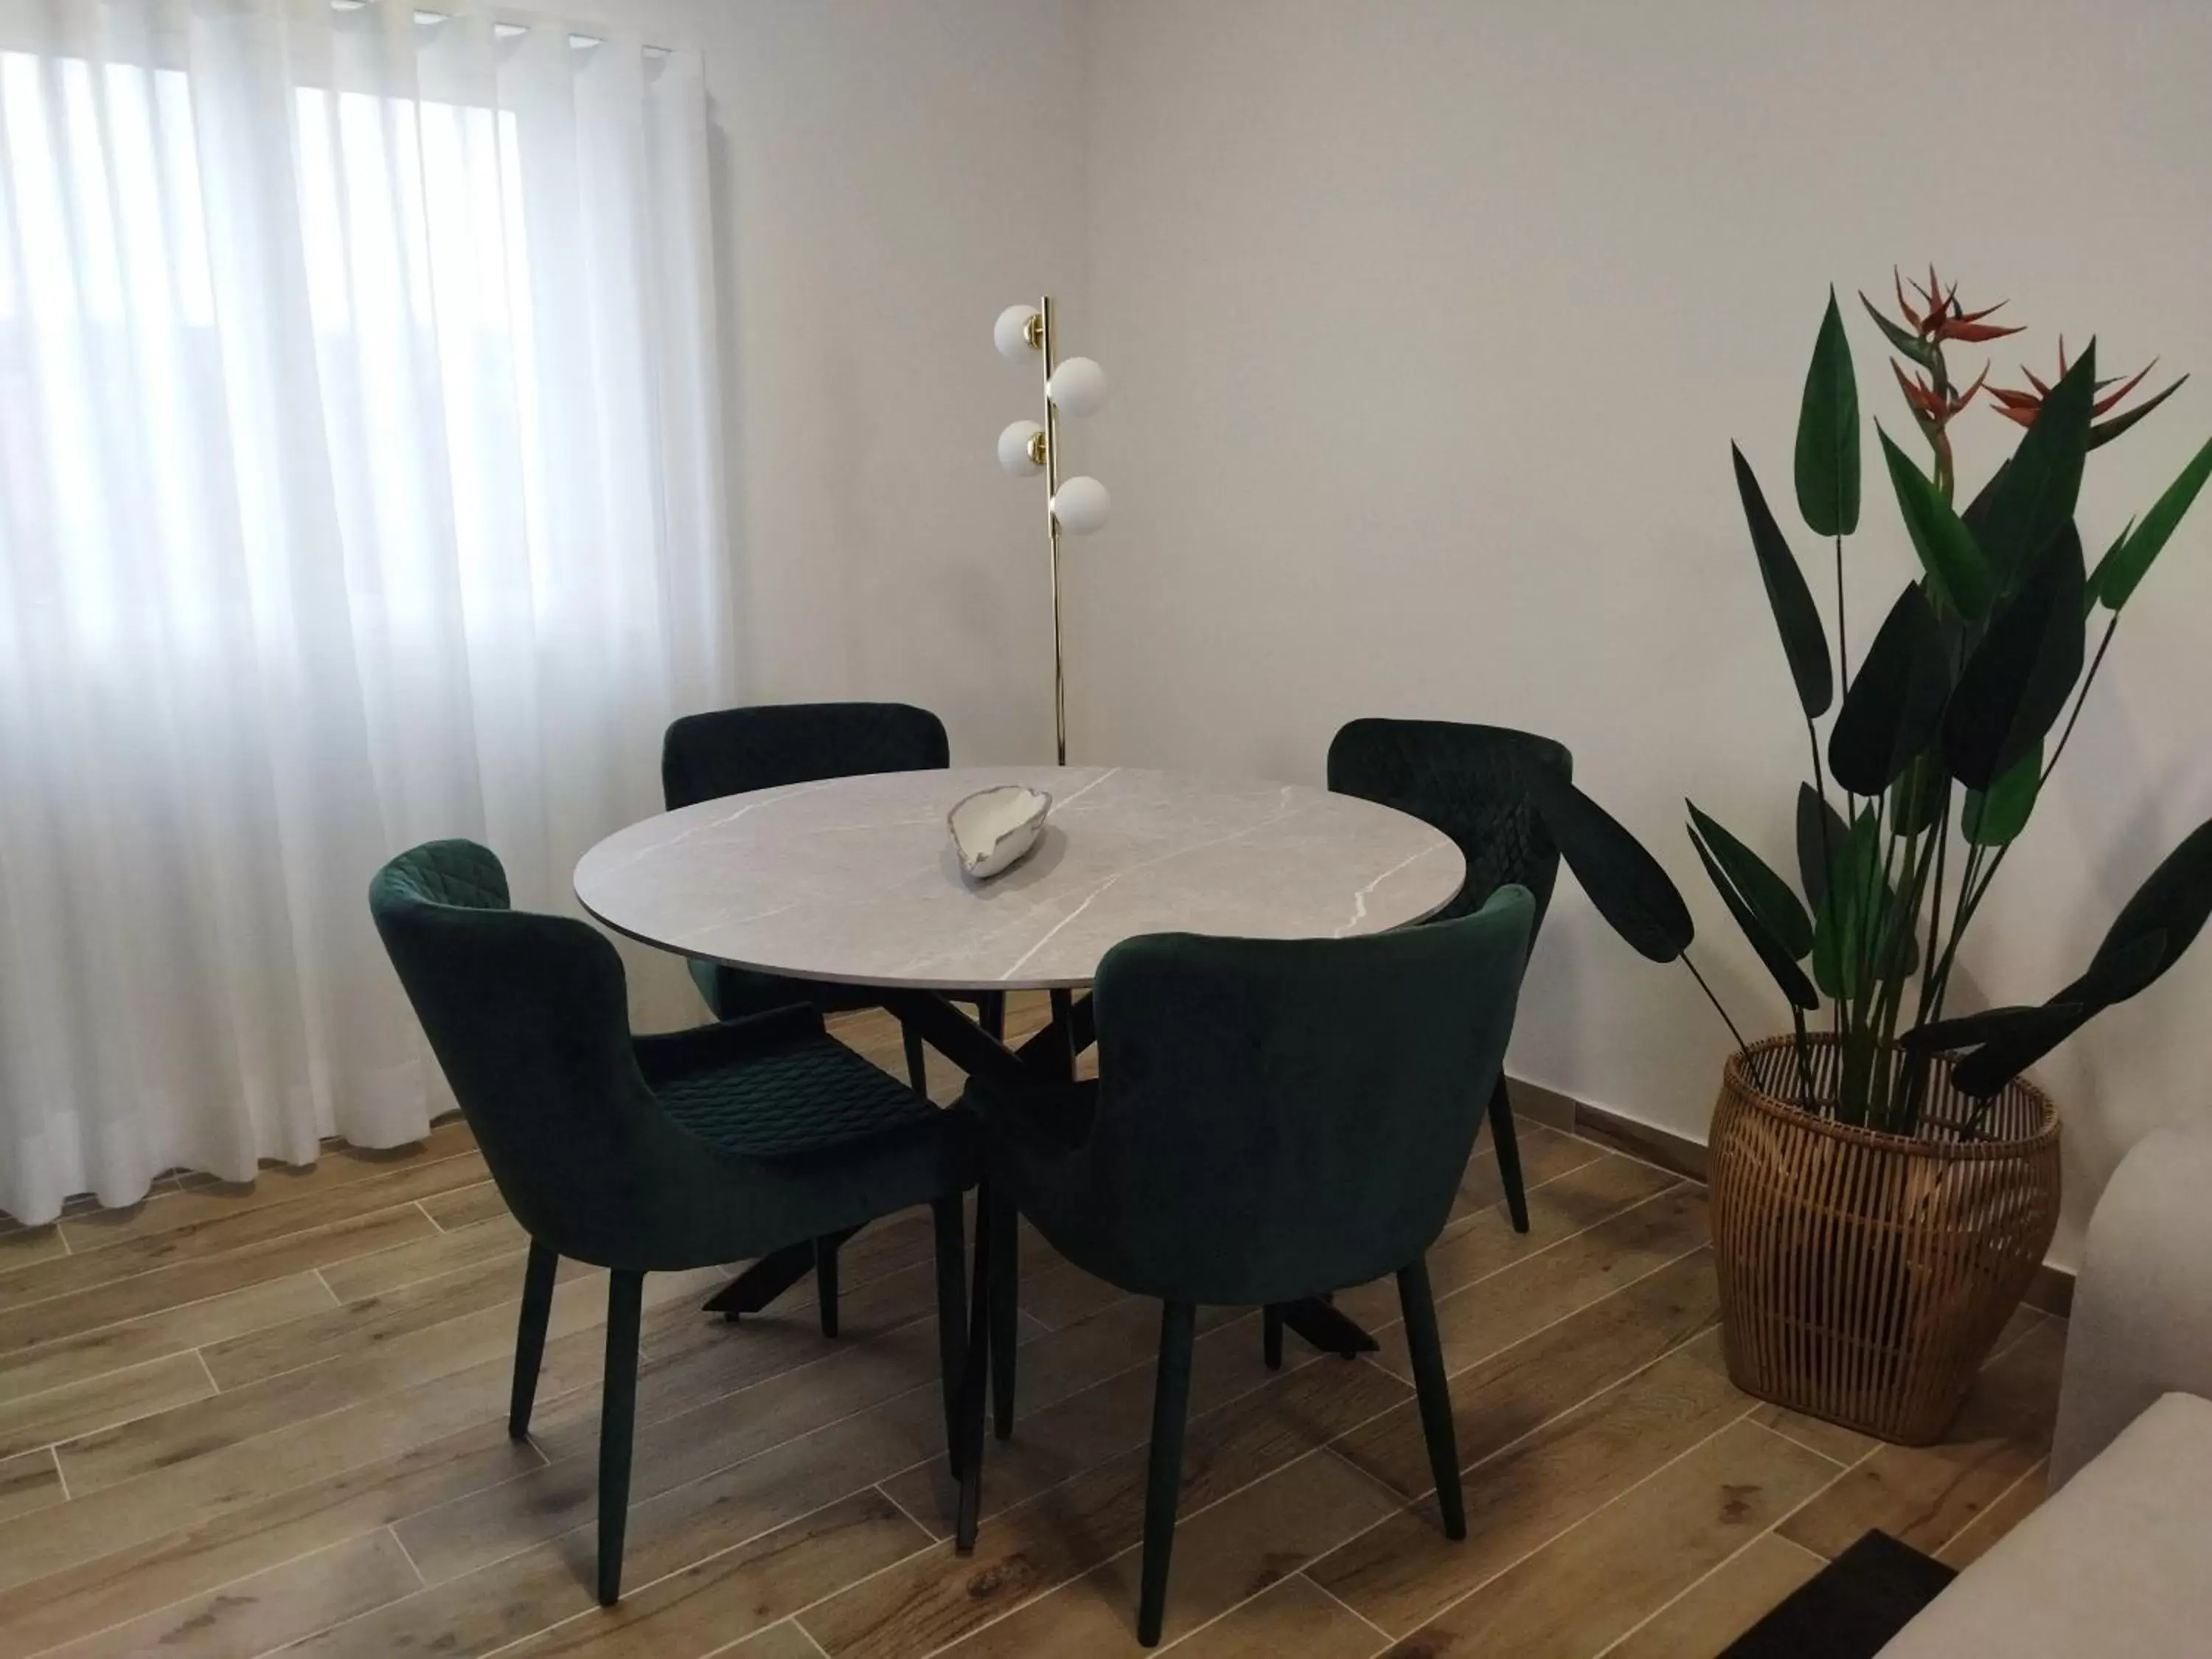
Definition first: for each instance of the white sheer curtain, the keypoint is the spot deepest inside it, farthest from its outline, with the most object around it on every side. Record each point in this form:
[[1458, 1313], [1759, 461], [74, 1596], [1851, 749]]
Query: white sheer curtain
[[359, 483]]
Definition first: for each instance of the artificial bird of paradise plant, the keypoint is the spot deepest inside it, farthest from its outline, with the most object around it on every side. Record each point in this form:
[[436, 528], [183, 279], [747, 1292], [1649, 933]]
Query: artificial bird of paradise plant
[[1950, 725]]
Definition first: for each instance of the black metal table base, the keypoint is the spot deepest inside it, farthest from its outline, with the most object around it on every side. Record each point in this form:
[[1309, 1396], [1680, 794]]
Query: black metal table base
[[769, 1278], [1328, 1329]]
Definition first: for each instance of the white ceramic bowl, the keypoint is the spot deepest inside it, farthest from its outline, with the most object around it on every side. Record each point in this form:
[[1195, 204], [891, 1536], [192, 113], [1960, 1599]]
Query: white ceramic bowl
[[992, 829]]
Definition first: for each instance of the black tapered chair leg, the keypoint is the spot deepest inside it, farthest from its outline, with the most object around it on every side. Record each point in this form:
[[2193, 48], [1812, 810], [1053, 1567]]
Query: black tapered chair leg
[[1005, 1266], [825, 1282], [952, 1315], [530, 1335], [1271, 1337], [1164, 1478], [991, 1013], [917, 1061], [1507, 1147], [618, 1418], [1435, 1393], [972, 1369]]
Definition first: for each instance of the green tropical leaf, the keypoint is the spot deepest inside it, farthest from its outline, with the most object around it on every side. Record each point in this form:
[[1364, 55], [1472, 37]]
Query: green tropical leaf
[[1795, 617], [1895, 703], [1787, 974], [2104, 565], [1988, 1025], [2015, 682], [2124, 566], [1916, 799], [2018, 1044], [1822, 842], [1828, 433], [1908, 345], [1996, 817], [1770, 898], [2035, 496], [1960, 575], [1857, 901], [2172, 902], [1625, 884]]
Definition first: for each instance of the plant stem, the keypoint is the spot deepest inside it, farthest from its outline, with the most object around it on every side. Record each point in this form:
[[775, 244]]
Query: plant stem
[[2081, 697], [1843, 632], [1740, 1045]]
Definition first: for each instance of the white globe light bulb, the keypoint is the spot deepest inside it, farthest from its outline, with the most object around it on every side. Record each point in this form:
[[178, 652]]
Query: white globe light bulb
[[1010, 333], [1077, 387], [1081, 506], [1014, 452]]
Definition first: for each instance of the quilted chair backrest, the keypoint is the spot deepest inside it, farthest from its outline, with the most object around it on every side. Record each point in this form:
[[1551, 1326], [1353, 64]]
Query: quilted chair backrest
[[527, 1015], [1277, 1116], [1467, 781], [732, 750]]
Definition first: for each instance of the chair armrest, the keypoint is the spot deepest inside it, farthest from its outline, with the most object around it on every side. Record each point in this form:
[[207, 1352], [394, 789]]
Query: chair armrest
[[2141, 1322], [674, 1053]]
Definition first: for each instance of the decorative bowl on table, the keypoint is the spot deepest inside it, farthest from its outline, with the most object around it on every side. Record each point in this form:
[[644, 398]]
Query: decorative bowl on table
[[995, 828]]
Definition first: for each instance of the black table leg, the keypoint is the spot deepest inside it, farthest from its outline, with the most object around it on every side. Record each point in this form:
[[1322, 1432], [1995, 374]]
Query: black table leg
[[769, 1277], [1321, 1324]]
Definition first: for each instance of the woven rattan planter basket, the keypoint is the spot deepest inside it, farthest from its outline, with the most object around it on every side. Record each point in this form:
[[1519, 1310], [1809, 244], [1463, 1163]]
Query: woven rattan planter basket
[[1864, 1277]]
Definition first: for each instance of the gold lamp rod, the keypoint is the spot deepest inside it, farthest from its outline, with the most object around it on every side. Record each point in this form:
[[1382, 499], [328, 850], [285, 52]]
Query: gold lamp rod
[[1075, 506]]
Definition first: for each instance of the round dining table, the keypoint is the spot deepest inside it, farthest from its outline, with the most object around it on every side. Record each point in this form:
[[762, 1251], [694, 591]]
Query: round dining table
[[854, 880]]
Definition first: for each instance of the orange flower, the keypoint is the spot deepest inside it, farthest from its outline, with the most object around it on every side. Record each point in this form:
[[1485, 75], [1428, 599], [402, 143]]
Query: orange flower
[[1941, 318], [2023, 406]]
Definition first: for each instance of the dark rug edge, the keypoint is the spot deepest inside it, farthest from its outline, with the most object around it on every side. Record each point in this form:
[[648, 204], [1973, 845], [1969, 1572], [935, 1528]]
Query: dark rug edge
[[1851, 1608]]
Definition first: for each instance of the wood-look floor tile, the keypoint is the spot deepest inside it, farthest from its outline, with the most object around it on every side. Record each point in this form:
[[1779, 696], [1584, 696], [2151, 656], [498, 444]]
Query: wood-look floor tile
[[72, 1360], [1971, 1541], [173, 1208], [1223, 1555], [1832, 1440], [783, 1641], [510, 1596], [226, 1231], [1296, 1616], [1546, 1155], [1485, 1243], [22, 1246], [1593, 1583], [937, 1597], [1403, 1573], [118, 1397], [350, 1329], [63, 1316], [426, 1253], [258, 1614], [711, 1603], [465, 1206], [29, 1481], [453, 1541], [136, 1578], [239, 1477], [1580, 1269], [1926, 1495], [1089, 1427], [1530, 1379], [1724, 1604], [169, 1438]]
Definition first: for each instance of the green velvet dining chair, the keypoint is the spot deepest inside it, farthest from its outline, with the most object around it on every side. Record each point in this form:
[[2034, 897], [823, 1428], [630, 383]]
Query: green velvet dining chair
[[654, 1153], [733, 751], [1273, 1120], [1470, 782]]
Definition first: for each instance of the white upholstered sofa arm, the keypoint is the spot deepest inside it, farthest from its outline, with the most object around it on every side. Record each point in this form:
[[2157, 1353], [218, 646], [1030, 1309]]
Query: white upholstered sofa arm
[[2142, 1323]]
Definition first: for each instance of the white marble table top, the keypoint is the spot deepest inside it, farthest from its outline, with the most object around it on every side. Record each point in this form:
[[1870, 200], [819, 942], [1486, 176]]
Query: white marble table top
[[855, 880]]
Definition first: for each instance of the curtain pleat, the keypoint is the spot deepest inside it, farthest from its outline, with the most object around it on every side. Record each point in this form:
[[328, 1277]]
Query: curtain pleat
[[360, 483]]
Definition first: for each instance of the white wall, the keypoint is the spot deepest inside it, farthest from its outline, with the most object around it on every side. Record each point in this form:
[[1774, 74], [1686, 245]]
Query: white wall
[[1430, 325]]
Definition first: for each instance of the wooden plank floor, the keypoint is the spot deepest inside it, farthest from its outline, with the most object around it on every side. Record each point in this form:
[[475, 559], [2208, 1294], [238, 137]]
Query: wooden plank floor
[[238, 1421]]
